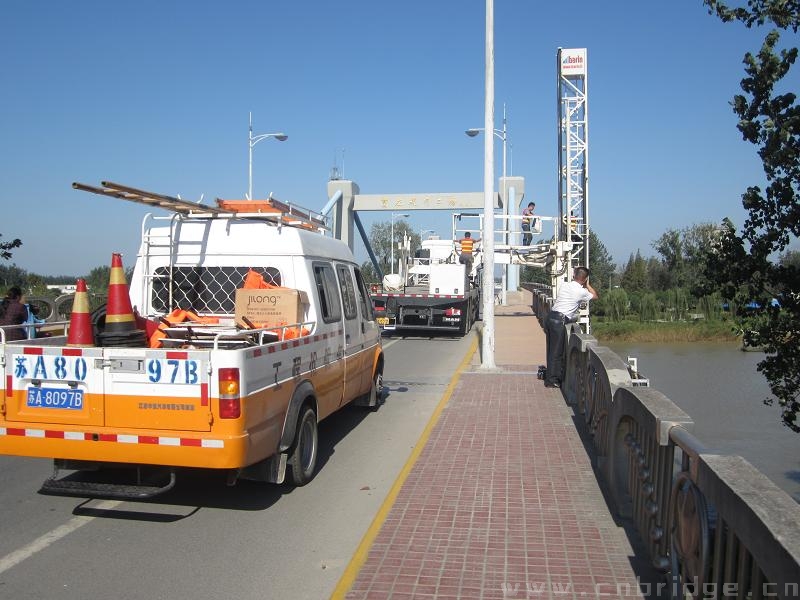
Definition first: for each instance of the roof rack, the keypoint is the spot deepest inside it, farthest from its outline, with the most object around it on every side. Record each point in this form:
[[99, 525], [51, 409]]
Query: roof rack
[[274, 210], [288, 213]]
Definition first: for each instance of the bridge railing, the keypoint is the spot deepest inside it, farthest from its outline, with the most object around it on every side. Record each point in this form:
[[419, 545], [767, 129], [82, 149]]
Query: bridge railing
[[713, 523], [56, 312]]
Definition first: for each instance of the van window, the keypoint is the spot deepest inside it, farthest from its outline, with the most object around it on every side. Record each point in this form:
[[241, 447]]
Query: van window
[[348, 292], [208, 290], [363, 296], [328, 292]]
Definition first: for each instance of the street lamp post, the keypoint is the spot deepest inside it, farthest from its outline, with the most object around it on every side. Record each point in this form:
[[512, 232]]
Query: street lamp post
[[487, 337], [503, 135], [392, 249], [252, 141]]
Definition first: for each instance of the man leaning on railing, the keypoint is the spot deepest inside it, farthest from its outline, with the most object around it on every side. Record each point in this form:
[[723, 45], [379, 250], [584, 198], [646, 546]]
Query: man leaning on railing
[[563, 311]]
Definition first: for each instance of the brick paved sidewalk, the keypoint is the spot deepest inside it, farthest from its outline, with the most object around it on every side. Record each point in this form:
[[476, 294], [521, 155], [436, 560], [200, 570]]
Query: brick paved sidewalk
[[503, 501]]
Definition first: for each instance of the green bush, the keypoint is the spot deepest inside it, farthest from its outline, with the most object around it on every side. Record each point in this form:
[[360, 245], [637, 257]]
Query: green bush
[[635, 331], [615, 304], [648, 307]]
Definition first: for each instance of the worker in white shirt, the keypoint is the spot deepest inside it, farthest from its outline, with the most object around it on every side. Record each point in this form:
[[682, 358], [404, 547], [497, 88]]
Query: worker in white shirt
[[566, 305]]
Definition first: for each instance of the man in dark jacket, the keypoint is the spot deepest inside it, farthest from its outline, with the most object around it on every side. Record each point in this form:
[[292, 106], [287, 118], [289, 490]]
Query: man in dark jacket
[[14, 313]]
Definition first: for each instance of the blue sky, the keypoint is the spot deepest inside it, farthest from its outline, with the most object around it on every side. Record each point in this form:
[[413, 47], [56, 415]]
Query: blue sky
[[156, 95]]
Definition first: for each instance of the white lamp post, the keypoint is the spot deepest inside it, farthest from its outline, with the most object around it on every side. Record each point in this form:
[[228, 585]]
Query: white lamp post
[[487, 345], [392, 250], [503, 135], [252, 141]]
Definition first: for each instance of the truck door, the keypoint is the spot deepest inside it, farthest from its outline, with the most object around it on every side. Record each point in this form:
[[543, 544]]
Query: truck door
[[353, 336], [157, 389], [328, 381], [369, 326]]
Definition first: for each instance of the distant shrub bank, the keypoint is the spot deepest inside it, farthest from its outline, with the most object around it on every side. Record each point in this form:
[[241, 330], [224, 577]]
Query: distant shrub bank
[[674, 331]]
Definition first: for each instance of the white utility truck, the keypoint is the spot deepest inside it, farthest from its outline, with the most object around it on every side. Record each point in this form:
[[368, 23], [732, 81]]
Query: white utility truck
[[434, 291], [237, 386]]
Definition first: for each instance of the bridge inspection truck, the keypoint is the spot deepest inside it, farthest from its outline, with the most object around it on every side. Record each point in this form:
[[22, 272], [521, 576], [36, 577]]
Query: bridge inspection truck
[[434, 291], [258, 327]]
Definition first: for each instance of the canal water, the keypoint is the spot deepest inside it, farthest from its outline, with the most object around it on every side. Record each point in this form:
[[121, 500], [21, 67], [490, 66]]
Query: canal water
[[719, 387]]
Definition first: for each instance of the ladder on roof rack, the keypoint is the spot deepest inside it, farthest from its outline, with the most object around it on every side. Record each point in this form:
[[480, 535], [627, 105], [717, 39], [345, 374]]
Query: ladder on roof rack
[[116, 190], [274, 210]]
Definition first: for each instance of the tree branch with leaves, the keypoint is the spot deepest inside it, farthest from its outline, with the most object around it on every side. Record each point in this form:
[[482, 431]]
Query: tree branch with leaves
[[747, 265], [7, 247]]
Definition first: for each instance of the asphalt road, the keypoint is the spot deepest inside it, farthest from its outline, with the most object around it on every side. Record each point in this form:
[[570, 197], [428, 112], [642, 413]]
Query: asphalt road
[[206, 540]]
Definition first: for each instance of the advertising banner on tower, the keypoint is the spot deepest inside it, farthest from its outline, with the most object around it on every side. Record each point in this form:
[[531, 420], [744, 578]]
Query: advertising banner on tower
[[573, 62]]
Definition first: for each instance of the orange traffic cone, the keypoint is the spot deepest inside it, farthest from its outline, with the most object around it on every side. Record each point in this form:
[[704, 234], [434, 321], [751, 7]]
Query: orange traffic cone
[[80, 322], [120, 324]]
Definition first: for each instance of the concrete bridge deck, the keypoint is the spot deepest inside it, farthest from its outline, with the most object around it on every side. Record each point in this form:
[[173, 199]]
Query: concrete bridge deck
[[502, 499]]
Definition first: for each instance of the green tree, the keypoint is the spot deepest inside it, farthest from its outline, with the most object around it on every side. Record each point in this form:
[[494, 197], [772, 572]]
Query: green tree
[[534, 275], [670, 248], [97, 280], [634, 276], [677, 304], [648, 307], [790, 259], [658, 276], [683, 253], [743, 264], [35, 285], [380, 238], [711, 306], [12, 275], [368, 272], [600, 263], [615, 304]]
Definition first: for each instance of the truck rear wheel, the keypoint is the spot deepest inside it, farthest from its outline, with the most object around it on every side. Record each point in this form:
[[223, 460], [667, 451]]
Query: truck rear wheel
[[376, 390], [303, 458], [466, 321]]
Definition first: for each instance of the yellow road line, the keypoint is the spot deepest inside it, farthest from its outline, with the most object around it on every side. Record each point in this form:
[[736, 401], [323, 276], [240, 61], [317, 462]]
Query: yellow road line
[[360, 555]]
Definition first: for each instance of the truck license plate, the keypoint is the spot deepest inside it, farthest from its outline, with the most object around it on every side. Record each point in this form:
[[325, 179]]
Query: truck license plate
[[45, 397], [382, 320]]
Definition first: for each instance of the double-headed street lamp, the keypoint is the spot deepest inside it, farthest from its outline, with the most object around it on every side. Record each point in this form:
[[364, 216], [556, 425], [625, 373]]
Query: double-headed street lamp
[[500, 133], [252, 141], [392, 251]]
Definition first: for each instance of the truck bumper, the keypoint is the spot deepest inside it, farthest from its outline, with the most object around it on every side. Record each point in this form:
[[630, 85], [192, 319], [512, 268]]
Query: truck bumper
[[168, 448]]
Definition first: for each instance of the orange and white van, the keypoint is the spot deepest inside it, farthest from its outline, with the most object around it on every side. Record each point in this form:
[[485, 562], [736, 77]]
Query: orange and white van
[[212, 394]]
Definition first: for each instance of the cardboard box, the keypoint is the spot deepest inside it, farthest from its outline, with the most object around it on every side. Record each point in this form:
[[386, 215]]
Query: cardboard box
[[271, 307]]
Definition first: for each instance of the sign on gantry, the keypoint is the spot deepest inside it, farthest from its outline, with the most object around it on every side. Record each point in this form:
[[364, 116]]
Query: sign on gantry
[[435, 201]]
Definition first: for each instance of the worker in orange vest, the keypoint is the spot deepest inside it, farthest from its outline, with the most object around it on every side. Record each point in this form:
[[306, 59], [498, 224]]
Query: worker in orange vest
[[467, 247]]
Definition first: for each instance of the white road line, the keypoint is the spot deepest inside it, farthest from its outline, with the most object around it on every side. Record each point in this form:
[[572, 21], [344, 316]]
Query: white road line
[[16, 557], [389, 343]]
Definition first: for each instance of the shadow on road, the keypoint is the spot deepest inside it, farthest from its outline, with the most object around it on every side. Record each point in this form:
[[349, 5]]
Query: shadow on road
[[201, 488]]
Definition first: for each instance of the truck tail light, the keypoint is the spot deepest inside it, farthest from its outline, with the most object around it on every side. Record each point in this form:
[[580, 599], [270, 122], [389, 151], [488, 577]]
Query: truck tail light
[[452, 312], [230, 406]]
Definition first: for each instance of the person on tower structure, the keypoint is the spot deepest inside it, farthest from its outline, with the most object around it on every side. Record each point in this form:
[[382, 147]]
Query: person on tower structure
[[528, 223]]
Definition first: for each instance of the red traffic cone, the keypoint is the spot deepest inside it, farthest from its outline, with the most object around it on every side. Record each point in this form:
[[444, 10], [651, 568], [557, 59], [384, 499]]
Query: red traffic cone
[[80, 322], [120, 324], [119, 312]]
